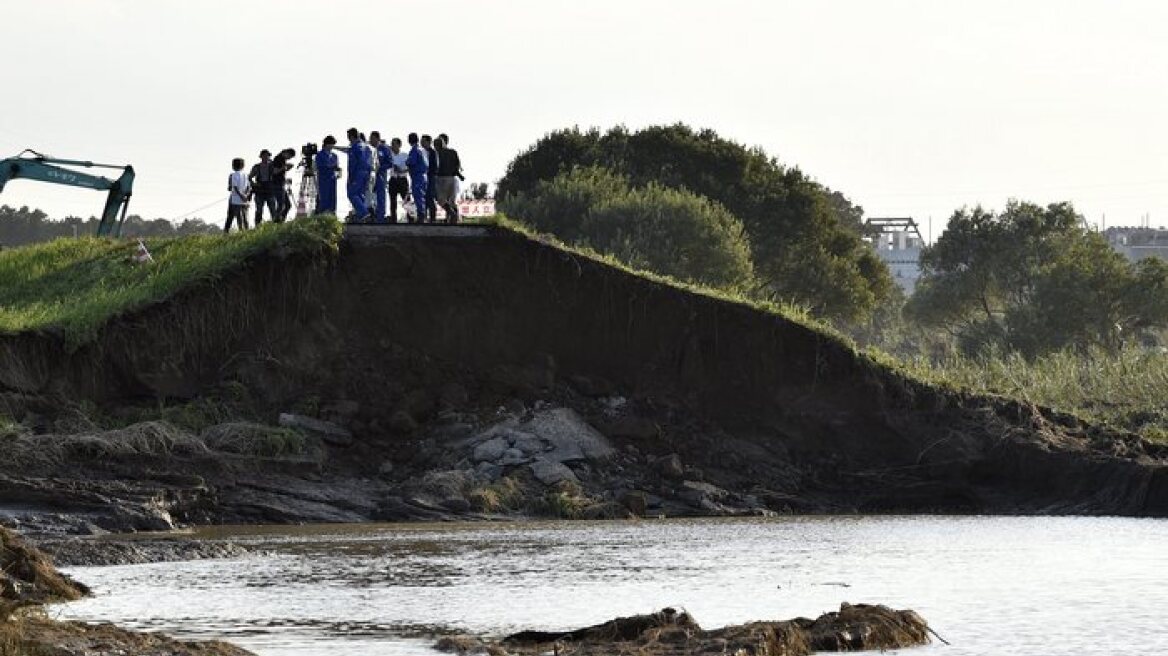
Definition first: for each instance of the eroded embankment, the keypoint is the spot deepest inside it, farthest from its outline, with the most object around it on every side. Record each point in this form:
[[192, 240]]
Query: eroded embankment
[[422, 347]]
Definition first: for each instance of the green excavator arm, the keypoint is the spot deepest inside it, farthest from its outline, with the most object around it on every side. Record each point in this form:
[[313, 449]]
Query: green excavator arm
[[48, 169]]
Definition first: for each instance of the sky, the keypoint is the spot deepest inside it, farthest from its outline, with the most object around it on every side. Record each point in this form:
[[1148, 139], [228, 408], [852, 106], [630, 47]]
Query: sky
[[908, 108]]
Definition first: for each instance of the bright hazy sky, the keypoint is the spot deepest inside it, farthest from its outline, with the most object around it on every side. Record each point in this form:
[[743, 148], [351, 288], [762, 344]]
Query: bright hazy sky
[[909, 108]]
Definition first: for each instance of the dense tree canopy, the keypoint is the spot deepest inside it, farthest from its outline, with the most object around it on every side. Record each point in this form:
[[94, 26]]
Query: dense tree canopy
[[24, 226], [804, 239], [668, 231], [1033, 279]]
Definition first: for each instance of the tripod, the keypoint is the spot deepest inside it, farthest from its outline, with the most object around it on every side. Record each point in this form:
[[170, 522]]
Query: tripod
[[306, 201]]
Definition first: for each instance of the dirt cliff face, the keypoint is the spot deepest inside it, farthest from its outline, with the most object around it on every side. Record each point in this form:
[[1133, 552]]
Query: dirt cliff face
[[415, 343]]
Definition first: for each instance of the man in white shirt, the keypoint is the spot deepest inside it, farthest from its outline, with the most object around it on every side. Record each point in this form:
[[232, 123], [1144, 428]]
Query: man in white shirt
[[399, 184], [240, 189]]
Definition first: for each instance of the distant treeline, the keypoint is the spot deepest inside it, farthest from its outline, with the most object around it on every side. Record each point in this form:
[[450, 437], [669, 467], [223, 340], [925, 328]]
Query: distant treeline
[[26, 226]]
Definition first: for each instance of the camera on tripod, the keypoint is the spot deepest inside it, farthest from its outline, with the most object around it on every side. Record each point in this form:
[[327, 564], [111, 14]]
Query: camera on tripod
[[309, 151]]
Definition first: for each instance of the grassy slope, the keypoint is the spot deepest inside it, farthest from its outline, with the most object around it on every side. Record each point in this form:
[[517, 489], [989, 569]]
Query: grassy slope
[[77, 285]]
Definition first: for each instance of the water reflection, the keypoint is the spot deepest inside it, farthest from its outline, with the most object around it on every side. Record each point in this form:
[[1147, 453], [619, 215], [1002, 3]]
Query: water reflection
[[989, 585]]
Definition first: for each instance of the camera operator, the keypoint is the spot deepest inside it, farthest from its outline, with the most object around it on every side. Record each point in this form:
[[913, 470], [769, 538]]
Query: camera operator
[[281, 164]]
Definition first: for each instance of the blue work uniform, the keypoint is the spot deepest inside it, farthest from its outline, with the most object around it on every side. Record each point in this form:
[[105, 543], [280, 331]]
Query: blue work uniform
[[384, 163], [326, 177], [432, 184], [418, 165], [360, 166]]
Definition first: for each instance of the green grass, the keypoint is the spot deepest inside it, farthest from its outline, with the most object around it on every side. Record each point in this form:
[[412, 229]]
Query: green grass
[[1128, 390], [75, 286]]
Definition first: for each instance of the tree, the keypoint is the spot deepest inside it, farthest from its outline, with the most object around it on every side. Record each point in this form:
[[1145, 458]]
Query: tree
[[669, 231], [1033, 280], [805, 240], [24, 226]]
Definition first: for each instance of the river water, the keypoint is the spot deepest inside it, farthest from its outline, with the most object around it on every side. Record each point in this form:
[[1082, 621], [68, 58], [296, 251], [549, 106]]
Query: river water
[[989, 585]]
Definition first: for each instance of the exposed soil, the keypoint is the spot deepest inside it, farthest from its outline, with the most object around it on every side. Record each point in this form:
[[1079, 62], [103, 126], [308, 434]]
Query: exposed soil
[[28, 580], [33, 636], [669, 632], [441, 377]]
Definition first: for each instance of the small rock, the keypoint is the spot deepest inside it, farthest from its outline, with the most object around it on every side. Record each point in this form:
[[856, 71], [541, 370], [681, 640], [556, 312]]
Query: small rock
[[549, 472], [489, 471], [528, 444], [514, 457], [385, 469], [515, 407], [491, 450], [670, 466]]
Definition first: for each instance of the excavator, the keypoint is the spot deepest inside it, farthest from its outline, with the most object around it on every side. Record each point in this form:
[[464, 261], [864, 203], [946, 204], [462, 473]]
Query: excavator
[[35, 166]]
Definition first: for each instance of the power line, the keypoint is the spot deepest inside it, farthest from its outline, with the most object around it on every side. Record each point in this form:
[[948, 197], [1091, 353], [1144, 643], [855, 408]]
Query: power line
[[198, 209]]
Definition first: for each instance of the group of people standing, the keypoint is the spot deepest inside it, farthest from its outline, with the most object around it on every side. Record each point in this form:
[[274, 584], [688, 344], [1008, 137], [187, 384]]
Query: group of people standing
[[267, 182], [429, 174]]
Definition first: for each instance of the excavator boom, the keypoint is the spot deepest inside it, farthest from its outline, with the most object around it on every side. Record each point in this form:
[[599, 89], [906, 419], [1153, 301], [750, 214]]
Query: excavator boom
[[47, 169]]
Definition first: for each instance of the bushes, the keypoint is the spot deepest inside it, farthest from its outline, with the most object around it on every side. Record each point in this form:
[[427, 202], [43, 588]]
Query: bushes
[[804, 239], [663, 230]]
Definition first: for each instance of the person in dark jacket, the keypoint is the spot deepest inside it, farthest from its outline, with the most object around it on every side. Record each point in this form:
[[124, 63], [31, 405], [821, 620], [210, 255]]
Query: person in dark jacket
[[449, 175], [381, 174], [263, 183], [431, 203], [281, 164]]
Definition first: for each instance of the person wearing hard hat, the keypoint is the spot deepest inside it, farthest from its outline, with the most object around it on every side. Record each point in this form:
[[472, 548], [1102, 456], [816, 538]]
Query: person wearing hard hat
[[327, 172]]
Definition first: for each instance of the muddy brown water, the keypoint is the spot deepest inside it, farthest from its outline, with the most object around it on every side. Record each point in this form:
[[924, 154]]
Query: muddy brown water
[[989, 585]]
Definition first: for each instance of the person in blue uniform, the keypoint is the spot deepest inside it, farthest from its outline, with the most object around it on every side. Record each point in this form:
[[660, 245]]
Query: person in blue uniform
[[360, 168], [381, 181], [431, 179], [418, 165], [327, 172]]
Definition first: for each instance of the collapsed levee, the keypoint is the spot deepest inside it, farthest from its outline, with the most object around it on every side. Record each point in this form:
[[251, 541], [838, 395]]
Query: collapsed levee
[[502, 306]]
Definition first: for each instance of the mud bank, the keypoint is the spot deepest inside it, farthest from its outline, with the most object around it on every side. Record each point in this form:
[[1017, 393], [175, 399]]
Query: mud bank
[[478, 373], [28, 581], [669, 632]]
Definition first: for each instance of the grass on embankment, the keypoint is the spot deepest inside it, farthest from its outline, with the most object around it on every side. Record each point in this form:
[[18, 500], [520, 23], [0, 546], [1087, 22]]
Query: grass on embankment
[[1128, 389], [77, 285]]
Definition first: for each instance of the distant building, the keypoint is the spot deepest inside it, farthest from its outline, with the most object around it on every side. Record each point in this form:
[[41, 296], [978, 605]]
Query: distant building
[[898, 242], [1138, 243]]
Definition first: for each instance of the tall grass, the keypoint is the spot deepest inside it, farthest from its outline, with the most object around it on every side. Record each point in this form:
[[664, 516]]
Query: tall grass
[[77, 285], [1128, 389]]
